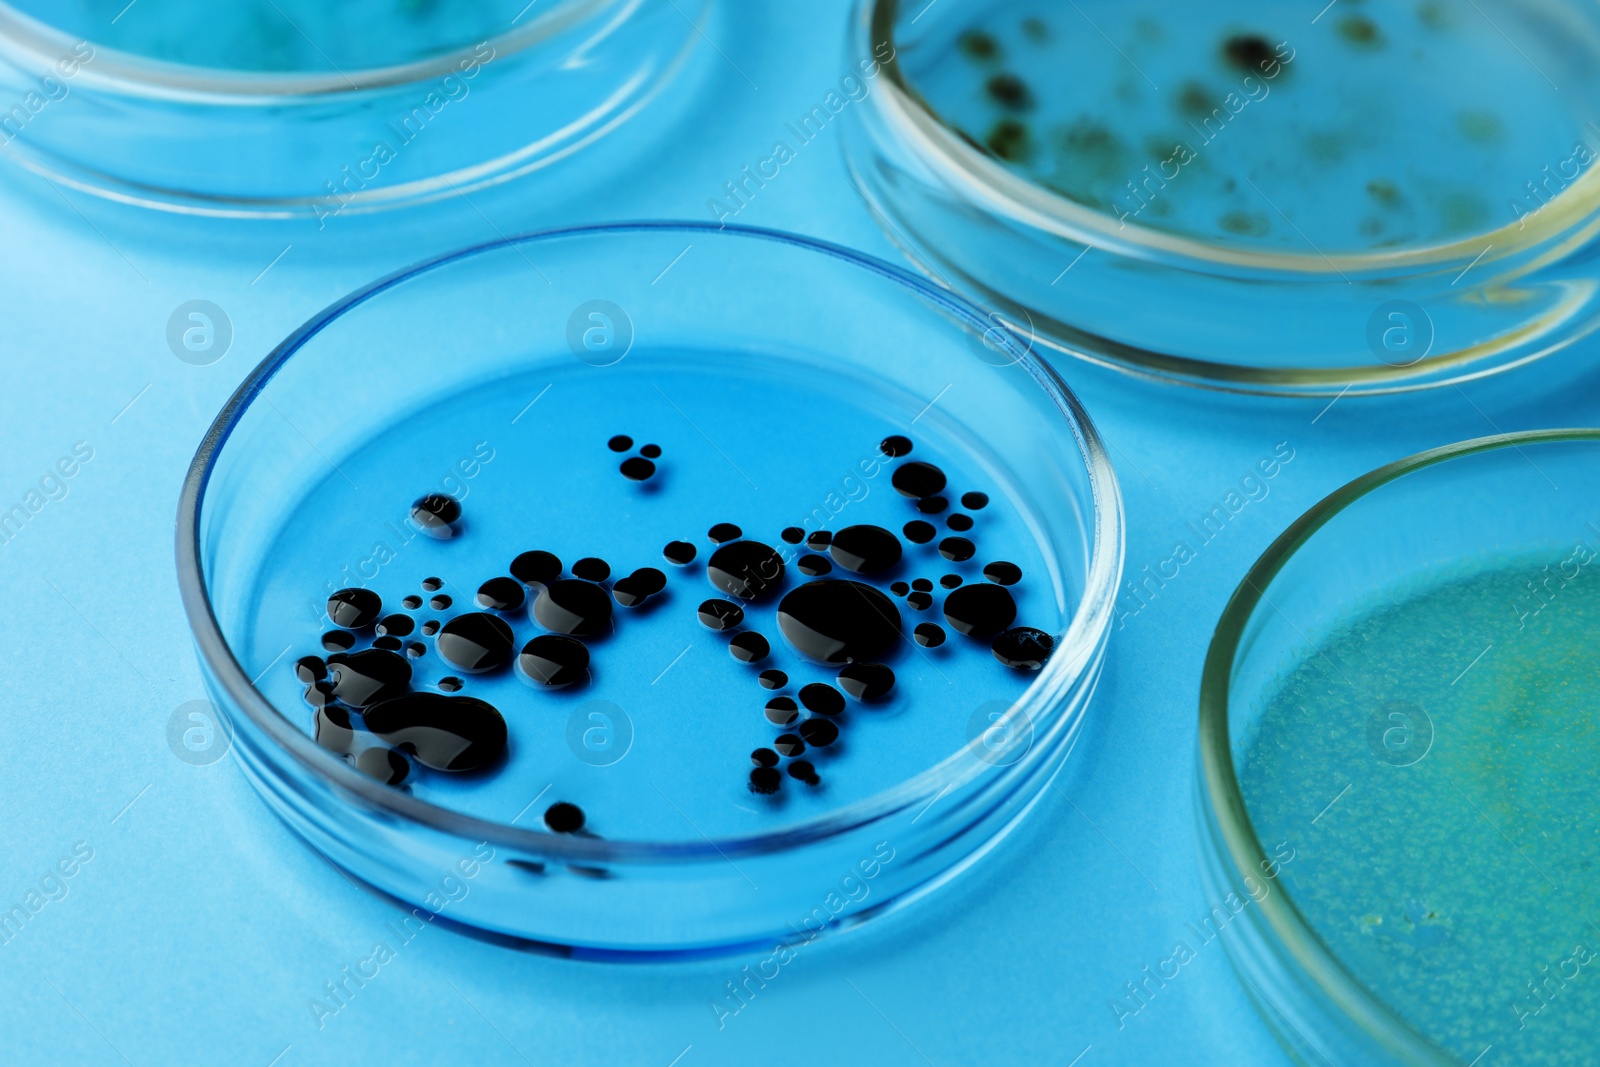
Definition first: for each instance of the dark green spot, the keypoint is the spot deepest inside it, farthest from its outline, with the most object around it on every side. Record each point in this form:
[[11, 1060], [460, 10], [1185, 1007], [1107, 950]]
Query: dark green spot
[[975, 44], [1479, 126], [1009, 139], [1250, 52], [1010, 92], [1384, 192], [1035, 30], [1196, 101], [1245, 224], [1360, 31]]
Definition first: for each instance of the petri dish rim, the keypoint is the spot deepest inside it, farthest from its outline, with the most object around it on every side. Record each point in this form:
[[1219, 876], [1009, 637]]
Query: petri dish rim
[[130, 74], [1076, 651], [1219, 782], [942, 146]]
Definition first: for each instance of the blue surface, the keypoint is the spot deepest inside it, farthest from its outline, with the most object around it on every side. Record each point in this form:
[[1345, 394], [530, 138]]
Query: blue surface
[[201, 928]]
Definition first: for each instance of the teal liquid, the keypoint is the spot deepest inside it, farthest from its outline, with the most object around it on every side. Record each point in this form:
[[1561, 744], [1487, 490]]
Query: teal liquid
[[300, 36], [1444, 810], [1382, 125]]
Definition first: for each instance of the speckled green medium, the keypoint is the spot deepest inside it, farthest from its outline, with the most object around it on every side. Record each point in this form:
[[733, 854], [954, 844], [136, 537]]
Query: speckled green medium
[[1435, 764]]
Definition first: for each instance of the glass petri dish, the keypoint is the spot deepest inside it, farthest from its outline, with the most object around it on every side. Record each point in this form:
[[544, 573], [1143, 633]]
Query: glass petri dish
[[671, 577], [1397, 752], [1257, 197], [296, 109]]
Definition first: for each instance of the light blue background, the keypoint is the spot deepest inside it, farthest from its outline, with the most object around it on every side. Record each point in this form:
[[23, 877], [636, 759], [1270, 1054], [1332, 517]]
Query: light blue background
[[202, 927]]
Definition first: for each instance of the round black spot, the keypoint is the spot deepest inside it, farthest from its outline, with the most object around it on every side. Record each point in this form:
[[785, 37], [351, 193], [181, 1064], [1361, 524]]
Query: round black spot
[[432, 585], [396, 625], [821, 698], [536, 568], [917, 479], [819, 733], [1250, 53], [637, 469], [1003, 573], [819, 541], [634, 589], [501, 594], [354, 609], [1009, 91], [564, 818], [416, 650], [384, 764], [932, 505], [310, 669], [959, 523], [680, 552], [813, 566], [451, 684], [764, 757], [476, 642], [364, 678], [439, 602], [919, 532], [574, 607], [956, 549], [1023, 648], [895, 446], [650, 451], [338, 641], [749, 647], [950, 581], [793, 535], [773, 679], [974, 501], [436, 515], [922, 585], [865, 549], [919, 601], [441, 732], [748, 570], [802, 770], [837, 621], [720, 614], [866, 681], [620, 443], [388, 644], [789, 745], [554, 660], [411, 601], [592, 569], [724, 532], [899, 588], [782, 711], [430, 627], [765, 780], [979, 610], [928, 634]]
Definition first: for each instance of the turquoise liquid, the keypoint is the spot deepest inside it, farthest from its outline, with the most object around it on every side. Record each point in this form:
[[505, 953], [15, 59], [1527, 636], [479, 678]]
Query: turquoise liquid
[[1435, 768], [1381, 125]]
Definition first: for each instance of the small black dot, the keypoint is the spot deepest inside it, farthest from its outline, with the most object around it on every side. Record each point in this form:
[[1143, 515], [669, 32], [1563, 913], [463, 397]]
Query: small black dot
[[592, 569], [822, 698], [310, 669], [564, 818], [793, 535], [895, 446], [636, 588], [1002, 573], [928, 634], [430, 627], [354, 609], [413, 602], [620, 443], [959, 523], [773, 679], [388, 644], [749, 647], [724, 532], [819, 541], [554, 660], [803, 771], [680, 552], [636, 469], [338, 641], [416, 650], [396, 625], [720, 614], [922, 585], [450, 685], [932, 505], [819, 733], [439, 603], [536, 568], [501, 594], [867, 681], [1023, 648], [950, 581], [980, 609], [650, 451], [436, 515], [814, 566], [919, 532], [782, 711], [917, 479], [899, 588], [432, 585], [789, 745], [956, 549], [765, 780], [919, 601], [974, 501], [764, 757]]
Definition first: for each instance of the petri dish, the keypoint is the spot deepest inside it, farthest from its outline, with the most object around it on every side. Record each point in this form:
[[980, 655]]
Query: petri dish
[[682, 581], [1373, 198], [294, 109], [1396, 762]]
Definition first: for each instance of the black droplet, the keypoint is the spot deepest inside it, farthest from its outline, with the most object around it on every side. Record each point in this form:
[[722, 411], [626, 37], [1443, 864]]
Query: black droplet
[[416, 650], [554, 660], [782, 711], [310, 669], [919, 601], [974, 501], [950, 581], [432, 585], [536, 568], [793, 535], [501, 594], [764, 757], [396, 625], [865, 549], [411, 601], [789, 745], [813, 566], [803, 771], [439, 602], [838, 621], [650, 451], [899, 588], [388, 644], [720, 614], [320, 694], [634, 589], [932, 505], [749, 647], [338, 641], [765, 780], [819, 733], [638, 469], [1009, 91], [959, 523], [620, 443], [443, 733], [1251, 53], [919, 532], [679, 552], [724, 532], [866, 681], [773, 679], [430, 627], [894, 446], [819, 541], [1003, 573], [476, 642], [748, 570], [956, 549], [384, 764], [928, 634], [1023, 648], [367, 677], [917, 479], [332, 728], [436, 515], [822, 698], [592, 569], [450, 685], [354, 609], [564, 818], [979, 610], [922, 585], [571, 606]]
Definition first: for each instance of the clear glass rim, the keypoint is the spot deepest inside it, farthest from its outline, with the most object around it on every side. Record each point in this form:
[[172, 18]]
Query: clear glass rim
[[938, 143], [1220, 783], [132, 74], [1074, 654]]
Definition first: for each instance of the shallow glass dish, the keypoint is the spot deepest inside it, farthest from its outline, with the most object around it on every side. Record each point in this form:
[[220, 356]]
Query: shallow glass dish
[[1397, 755], [794, 701], [1255, 197], [311, 110]]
